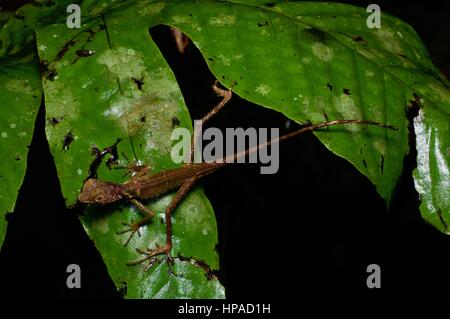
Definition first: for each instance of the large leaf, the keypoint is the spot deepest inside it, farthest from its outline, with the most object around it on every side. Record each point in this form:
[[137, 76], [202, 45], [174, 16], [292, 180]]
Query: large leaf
[[302, 59], [432, 176], [310, 61], [17, 33], [93, 101], [317, 61], [20, 97]]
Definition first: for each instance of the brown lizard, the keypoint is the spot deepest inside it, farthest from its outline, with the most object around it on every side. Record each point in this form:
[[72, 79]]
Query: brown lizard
[[145, 186]]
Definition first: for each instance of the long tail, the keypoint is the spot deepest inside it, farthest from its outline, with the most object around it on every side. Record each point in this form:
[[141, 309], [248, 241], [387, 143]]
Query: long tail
[[233, 157]]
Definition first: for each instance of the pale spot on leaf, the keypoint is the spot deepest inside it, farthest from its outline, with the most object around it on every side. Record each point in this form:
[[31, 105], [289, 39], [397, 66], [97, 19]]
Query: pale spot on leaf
[[345, 105], [322, 51], [263, 89], [123, 62], [306, 60], [222, 20], [388, 40], [224, 60], [380, 146]]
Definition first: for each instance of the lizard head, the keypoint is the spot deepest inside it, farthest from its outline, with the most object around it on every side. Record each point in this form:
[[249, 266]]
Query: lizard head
[[99, 192]]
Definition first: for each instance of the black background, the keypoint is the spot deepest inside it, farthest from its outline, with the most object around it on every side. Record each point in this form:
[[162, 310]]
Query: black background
[[308, 231]]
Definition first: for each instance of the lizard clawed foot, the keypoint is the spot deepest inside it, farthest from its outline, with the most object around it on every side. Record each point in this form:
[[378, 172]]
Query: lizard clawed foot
[[132, 228], [149, 253], [152, 256], [221, 92]]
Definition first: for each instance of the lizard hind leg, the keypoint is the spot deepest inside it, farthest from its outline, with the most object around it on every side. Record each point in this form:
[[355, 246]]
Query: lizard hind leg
[[150, 254]]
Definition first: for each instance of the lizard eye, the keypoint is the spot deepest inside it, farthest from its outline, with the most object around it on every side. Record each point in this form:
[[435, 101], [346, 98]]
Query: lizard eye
[[99, 198]]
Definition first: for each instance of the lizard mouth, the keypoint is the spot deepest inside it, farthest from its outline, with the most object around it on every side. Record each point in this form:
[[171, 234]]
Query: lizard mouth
[[84, 199]]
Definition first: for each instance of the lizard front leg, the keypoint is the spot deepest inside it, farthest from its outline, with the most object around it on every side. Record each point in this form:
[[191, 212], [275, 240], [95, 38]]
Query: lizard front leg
[[226, 97]]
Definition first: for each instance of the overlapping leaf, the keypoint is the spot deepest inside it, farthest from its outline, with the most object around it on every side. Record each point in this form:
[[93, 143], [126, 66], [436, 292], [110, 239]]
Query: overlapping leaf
[[309, 60], [432, 176], [20, 97], [124, 90], [317, 61]]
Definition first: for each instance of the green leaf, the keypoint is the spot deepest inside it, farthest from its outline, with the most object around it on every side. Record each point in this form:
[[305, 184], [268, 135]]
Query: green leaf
[[195, 236], [309, 60], [301, 59], [316, 61], [432, 176], [20, 97], [17, 33], [4, 17], [95, 100]]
